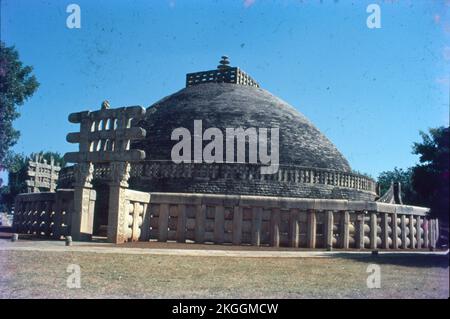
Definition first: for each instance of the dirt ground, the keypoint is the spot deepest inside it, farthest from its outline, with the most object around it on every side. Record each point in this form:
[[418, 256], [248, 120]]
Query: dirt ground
[[38, 274]]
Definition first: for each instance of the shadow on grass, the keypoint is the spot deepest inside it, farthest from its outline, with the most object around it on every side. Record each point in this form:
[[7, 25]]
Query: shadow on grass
[[409, 260]]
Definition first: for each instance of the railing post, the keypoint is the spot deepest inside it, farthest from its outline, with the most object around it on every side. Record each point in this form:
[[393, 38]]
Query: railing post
[[294, 227], [432, 233], [138, 213], [419, 232], [329, 229], [436, 225], [360, 231], [237, 225], [411, 232], [403, 228], [219, 224], [426, 240], [145, 229], [163, 222], [256, 226], [394, 235], [311, 229], [82, 217], [373, 230], [57, 217], [181, 223], [345, 229], [385, 230], [275, 227], [200, 216], [118, 208]]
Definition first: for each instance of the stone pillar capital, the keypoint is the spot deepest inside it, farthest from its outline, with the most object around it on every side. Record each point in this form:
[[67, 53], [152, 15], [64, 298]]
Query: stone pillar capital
[[84, 173], [119, 174]]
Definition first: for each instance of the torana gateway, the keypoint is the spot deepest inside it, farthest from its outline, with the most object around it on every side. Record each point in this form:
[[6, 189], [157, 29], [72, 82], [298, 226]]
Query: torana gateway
[[126, 184]]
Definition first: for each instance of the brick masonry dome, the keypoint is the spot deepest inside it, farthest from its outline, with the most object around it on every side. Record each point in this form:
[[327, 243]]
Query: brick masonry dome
[[310, 165], [227, 105]]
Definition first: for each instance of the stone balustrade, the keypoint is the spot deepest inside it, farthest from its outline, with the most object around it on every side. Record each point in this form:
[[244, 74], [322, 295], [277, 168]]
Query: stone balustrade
[[276, 221], [150, 172], [45, 214], [241, 220]]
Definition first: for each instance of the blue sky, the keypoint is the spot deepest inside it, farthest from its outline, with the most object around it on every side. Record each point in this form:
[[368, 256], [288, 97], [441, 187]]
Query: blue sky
[[369, 90]]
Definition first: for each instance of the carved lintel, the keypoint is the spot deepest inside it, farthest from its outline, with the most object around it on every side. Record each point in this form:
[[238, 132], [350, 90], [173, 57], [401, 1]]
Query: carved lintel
[[120, 173], [84, 174]]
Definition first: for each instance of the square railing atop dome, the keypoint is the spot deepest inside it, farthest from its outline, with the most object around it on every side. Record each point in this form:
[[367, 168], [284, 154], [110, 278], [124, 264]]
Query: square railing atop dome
[[229, 75]]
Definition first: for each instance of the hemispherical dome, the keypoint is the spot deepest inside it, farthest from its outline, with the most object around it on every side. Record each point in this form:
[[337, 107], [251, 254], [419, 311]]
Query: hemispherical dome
[[227, 105], [308, 165]]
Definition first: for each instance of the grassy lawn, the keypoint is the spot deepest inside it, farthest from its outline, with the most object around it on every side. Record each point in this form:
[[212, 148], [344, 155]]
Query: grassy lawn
[[25, 274]]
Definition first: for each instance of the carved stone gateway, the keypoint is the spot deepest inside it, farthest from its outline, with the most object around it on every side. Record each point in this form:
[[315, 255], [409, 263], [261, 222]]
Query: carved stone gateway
[[105, 137], [42, 176]]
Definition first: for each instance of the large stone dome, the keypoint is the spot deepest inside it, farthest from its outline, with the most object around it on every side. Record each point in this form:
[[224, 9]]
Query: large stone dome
[[310, 166], [227, 105]]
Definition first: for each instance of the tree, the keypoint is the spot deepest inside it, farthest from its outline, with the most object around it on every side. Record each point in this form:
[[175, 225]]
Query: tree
[[17, 167], [430, 178], [17, 84], [404, 176]]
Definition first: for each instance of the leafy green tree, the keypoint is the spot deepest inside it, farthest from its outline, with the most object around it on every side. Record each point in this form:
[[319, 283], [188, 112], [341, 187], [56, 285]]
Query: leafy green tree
[[404, 176], [430, 178], [16, 165], [17, 84]]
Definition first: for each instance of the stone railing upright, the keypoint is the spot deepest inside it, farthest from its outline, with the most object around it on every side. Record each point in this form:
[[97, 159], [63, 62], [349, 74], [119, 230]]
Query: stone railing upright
[[105, 138]]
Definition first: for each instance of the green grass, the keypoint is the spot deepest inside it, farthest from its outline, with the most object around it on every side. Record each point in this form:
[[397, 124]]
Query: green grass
[[27, 274]]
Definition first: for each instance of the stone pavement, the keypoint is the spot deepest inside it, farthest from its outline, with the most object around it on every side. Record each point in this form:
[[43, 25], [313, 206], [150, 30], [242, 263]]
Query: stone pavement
[[152, 248]]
